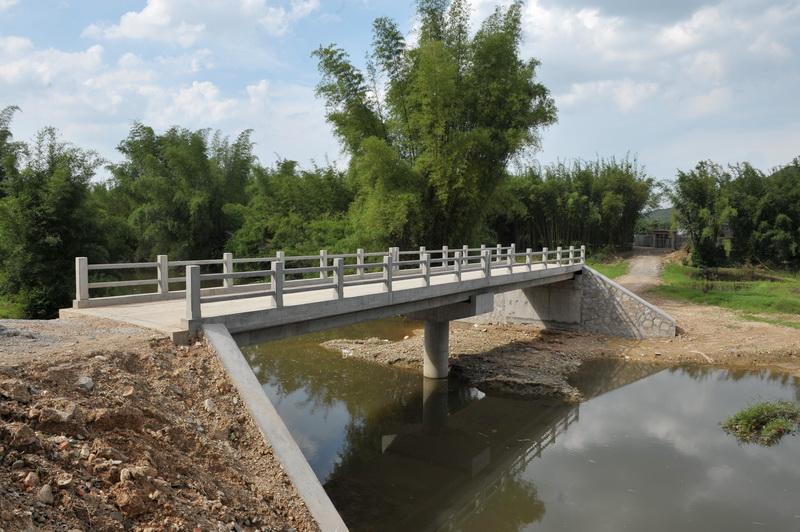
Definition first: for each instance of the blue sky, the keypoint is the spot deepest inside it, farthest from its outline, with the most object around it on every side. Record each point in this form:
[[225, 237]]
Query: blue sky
[[670, 82]]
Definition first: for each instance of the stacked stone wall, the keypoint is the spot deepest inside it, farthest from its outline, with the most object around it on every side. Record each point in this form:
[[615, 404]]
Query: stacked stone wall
[[611, 309]]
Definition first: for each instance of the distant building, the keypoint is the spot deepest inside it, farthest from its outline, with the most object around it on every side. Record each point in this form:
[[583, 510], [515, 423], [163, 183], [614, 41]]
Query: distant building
[[659, 238]]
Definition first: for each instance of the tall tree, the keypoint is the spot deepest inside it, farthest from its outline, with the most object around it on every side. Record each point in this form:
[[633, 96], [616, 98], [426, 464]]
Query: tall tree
[[175, 189], [45, 222], [434, 125]]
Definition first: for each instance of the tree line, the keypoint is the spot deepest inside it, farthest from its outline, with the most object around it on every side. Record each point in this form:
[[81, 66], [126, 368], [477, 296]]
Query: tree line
[[431, 129], [740, 215]]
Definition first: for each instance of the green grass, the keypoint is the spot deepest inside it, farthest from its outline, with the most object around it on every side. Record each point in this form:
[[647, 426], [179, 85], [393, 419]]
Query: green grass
[[777, 293], [10, 310], [764, 423], [612, 270]]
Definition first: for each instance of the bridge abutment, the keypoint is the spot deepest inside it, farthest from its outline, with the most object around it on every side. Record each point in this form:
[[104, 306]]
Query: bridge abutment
[[590, 302]]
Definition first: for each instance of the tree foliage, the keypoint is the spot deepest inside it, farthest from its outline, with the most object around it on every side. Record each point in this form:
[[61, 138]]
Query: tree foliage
[[46, 221], [741, 214], [592, 203], [433, 125]]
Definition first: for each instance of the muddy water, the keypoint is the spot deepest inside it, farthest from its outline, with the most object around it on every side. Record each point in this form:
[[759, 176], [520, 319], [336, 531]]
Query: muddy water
[[644, 452]]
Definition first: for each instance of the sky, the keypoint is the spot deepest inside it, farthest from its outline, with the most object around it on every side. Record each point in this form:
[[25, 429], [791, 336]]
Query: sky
[[671, 83]]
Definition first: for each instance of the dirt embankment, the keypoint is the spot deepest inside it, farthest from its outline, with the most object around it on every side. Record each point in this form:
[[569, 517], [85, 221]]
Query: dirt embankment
[[135, 435]]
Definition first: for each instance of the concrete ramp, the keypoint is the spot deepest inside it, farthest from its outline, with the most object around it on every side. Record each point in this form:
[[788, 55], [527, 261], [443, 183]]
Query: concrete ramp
[[590, 302]]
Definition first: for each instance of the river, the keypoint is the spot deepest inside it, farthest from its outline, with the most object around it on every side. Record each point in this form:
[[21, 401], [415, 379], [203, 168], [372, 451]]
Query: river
[[644, 452]]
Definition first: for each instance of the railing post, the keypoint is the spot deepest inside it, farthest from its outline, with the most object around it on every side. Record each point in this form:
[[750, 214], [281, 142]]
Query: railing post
[[571, 255], [338, 277], [486, 259], [558, 256], [425, 266], [227, 267], [465, 254], [323, 263], [193, 292], [583, 254], [512, 257], [457, 265], [280, 255], [421, 253], [445, 257], [394, 252], [388, 266], [360, 263], [529, 258], [499, 252], [545, 257], [81, 278], [162, 274], [278, 280]]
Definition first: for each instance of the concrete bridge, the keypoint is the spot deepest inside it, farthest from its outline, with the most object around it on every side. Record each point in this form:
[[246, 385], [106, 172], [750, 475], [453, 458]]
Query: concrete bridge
[[265, 298]]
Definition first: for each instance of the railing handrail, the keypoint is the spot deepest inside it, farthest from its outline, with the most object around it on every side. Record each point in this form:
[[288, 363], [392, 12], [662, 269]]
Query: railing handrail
[[330, 273]]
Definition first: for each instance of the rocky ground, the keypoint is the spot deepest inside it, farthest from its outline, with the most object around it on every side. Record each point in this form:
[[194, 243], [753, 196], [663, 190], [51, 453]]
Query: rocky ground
[[104, 428]]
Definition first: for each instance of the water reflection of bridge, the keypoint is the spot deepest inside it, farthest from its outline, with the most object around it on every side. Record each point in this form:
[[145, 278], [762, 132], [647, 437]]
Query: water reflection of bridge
[[463, 467]]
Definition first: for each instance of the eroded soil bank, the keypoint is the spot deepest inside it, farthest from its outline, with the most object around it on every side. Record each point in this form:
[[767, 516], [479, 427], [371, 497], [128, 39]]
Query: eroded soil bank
[[104, 428]]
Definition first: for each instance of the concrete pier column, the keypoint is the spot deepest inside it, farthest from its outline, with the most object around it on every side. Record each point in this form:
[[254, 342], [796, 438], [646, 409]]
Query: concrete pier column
[[434, 405], [437, 347]]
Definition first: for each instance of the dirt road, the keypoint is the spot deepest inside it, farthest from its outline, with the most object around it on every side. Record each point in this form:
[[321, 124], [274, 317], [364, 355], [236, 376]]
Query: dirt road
[[645, 269]]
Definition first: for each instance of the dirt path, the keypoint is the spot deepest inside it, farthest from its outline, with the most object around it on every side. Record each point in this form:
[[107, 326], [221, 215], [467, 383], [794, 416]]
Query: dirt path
[[645, 270]]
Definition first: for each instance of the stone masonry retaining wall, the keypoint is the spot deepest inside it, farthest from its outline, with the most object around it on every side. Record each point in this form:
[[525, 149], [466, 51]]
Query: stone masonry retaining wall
[[611, 309]]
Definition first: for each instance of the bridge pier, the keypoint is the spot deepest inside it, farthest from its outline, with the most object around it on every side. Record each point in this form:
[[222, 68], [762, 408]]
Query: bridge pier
[[437, 349]]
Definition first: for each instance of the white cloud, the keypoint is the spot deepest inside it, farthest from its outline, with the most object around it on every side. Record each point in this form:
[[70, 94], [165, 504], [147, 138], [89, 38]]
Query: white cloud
[[714, 101], [7, 4], [20, 64], [626, 94], [765, 45], [187, 22]]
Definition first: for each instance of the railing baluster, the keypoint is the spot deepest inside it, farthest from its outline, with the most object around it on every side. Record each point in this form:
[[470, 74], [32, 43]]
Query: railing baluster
[[558, 256], [227, 267], [499, 252], [445, 257], [425, 266], [278, 278], [571, 255], [529, 258], [162, 273], [464, 254], [457, 265], [486, 259], [81, 278], [388, 266], [512, 258], [545, 257], [193, 293], [323, 263], [583, 254], [360, 262], [338, 277]]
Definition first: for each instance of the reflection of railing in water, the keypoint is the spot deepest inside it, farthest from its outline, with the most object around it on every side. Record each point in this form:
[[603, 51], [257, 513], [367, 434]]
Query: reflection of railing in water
[[475, 502]]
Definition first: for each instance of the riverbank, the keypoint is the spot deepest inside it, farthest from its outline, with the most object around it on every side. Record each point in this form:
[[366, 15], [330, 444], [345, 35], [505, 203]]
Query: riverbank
[[524, 360], [103, 427]]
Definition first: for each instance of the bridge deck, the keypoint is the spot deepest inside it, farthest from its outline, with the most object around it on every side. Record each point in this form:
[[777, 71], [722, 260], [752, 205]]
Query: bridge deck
[[168, 316]]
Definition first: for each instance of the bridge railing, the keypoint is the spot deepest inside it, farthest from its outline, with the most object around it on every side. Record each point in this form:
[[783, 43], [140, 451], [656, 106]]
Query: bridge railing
[[277, 275]]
